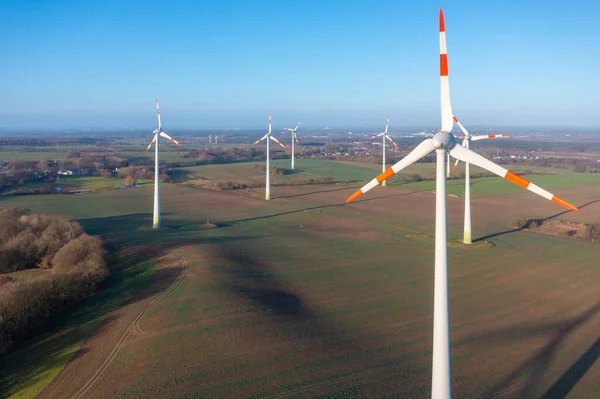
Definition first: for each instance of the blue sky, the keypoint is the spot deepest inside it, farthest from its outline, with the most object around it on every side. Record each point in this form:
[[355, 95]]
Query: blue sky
[[330, 63]]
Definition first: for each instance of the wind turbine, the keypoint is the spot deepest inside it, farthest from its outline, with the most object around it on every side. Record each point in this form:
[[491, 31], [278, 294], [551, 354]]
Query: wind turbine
[[467, 139], [443, 142], [294, 138], [268, 171], [157, 132], [384, 136]]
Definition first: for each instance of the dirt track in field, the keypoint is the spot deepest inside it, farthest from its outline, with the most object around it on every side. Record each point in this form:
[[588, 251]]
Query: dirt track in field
[[100, 342]]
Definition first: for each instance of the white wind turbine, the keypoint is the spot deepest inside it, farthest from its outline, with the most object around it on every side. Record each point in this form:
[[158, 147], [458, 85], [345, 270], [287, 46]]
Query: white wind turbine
[[294, 139], [384, 136], [268, 171], [157, 132], [466, 140], [443, 142]]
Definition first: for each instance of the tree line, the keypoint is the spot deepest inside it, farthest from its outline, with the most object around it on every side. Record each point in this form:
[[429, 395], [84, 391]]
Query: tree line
[[74, 264]]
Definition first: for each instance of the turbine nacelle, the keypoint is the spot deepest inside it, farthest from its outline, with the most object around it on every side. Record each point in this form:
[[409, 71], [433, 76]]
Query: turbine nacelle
[[443, 140]]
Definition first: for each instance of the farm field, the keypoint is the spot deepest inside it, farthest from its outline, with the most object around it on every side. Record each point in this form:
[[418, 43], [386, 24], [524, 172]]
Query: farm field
[[81, 183], [549, 178], [304, 296]]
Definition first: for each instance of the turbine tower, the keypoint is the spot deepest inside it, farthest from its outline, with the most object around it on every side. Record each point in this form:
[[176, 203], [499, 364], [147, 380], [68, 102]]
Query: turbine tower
[[268, 171], [294, 139], [157, 132], [384, 136], [467, 139], [443, 142]]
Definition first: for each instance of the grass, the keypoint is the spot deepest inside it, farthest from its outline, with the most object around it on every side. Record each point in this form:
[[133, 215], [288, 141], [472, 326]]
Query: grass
[[81, 183], [27, 370], [350, 171]]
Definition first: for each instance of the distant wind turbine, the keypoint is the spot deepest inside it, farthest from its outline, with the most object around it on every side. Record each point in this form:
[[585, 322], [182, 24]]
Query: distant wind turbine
[[443, 142], [466, 140], [384, 136], [294, 139], [157, 132], [268, 171]]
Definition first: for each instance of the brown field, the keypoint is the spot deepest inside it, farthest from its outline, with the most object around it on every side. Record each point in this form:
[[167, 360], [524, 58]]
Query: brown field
[[303, 296]]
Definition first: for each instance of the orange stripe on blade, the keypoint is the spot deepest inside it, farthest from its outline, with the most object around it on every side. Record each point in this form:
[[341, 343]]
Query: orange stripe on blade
[[492, 136], [455, 119], [564, 203], [515, 178], [354, 196], [442, 28], [443, 64], [385, 175]]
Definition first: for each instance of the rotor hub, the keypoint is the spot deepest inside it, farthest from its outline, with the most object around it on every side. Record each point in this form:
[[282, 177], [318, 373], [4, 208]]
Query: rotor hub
[[443, 140]]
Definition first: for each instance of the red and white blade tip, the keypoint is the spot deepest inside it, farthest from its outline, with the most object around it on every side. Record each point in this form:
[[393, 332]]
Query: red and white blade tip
[[442, 28]]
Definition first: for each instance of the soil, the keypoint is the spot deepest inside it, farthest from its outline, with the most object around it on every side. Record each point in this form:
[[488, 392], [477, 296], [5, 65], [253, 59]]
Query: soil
[[324, 318]]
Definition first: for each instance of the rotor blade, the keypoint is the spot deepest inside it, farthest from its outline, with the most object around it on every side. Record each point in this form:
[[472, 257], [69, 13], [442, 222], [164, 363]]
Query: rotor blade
[[489, 136], [158, 113], [455, 165], [464, 143], [163, 134], [447, 121], [261, 139], [152, 142], [277, 141], [296, 137], [378, 135], [287, 128], [269, 123], [297, 126], [390, 139], [419, 152], [466, 133], [387, 124], [466, 155]]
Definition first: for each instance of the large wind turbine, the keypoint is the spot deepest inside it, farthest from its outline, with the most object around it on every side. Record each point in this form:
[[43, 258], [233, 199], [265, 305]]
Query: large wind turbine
[[268, 171], [384, 136], [294, 139], [157, 132], [442, 142], [466, 140]]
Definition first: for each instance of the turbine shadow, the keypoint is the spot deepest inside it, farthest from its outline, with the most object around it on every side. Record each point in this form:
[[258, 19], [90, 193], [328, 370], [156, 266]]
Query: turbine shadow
[[228, 223], [493, 235], [534, 368], [571, 377]]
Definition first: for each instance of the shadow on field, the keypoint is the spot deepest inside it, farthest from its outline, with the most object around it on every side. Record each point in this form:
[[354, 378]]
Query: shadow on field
[[493, 235], [228, 223], [288, 320], [316, 192], [571, 377], [534, 369], [132, 279], [122, 231]]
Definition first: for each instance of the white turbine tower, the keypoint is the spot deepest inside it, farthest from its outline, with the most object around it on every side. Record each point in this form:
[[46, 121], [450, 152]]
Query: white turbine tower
[[268, 171], [294, 139], [384, 136], [467, 139], [157, 132], [442, 142]]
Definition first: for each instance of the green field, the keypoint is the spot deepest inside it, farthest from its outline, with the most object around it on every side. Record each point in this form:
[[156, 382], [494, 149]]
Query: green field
[[302, 296], [80, 183], [356, 172]]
